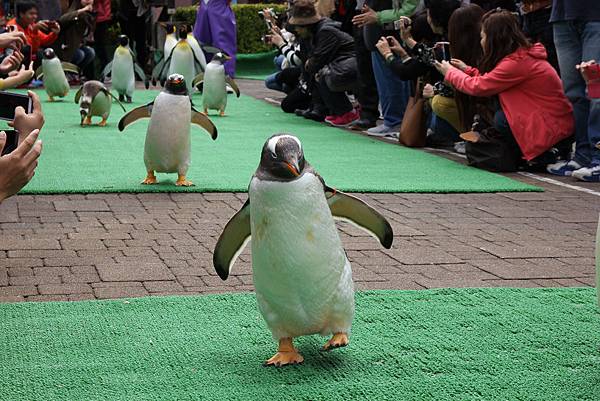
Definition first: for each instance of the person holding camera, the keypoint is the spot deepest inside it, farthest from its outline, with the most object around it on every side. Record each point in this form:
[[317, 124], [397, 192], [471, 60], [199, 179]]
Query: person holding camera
[[376, 20], [331, 61], [10, 73], [18, 167], [534, 114], [77, 21], [38, 34]]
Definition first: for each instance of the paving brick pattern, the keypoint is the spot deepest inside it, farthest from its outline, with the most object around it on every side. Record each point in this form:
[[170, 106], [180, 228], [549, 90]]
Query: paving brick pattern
[[76, 247]]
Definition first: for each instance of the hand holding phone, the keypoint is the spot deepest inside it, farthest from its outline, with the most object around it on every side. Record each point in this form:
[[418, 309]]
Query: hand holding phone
[[18, 167], [10, 101], [11, 143], [442, 51]]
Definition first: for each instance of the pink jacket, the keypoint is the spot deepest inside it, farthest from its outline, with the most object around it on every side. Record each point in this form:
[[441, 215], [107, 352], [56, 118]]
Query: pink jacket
[[531, 96], [102, 7]]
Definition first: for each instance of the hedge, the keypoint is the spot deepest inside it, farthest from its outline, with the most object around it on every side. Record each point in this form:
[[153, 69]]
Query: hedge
[[250, 26]]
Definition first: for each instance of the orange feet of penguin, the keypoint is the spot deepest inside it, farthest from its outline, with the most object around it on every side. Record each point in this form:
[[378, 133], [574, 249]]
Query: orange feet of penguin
[[183, 182], [286, 355], [150, 179], [337, 341]]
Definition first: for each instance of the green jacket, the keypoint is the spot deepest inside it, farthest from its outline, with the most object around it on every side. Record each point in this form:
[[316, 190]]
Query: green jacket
[[407, 8]]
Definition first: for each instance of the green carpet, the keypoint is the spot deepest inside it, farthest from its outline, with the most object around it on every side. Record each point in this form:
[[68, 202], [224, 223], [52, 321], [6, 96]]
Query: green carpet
[[101, 159], [454, 344], [255, 66]]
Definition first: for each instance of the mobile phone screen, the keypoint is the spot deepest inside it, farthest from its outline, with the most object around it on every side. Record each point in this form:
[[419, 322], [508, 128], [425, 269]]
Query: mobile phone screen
[[442, 51], [12, 141], [10, 101]]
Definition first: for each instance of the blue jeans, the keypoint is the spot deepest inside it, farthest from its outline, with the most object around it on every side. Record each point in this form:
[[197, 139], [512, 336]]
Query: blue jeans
[[393, 92], [83, 56], [578, 41], [271, 81]]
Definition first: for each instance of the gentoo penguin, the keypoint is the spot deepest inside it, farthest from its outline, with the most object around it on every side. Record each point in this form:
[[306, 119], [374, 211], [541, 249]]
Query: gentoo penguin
[[214, 80], [182, 60], [302, 276], [167, 148], [53, 72], [123, 68], [94, 100]]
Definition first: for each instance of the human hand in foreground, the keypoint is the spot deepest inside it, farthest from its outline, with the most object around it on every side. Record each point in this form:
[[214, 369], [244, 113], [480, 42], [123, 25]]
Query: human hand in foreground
[[589, 70], [13, 40], [383, 47], [19, 77], [18, 167], [11, 62], [26, 123]]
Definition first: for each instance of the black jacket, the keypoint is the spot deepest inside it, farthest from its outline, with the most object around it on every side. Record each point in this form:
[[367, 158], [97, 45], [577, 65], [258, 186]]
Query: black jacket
[[329, 44]]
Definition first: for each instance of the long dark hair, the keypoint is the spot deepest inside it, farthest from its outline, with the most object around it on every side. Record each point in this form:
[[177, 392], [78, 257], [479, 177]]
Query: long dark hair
[[464, 28], [503, 37]]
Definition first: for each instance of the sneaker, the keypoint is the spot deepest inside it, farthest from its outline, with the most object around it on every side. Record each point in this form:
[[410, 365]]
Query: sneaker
[[36, 83], [589, 174], [344, 120], [310, 114], [383, 130], [460, 147], [564, 168]]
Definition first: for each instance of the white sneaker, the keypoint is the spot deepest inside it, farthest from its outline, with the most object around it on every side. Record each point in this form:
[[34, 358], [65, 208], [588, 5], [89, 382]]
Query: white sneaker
[[563, 168], [383, 130], [589, 174]]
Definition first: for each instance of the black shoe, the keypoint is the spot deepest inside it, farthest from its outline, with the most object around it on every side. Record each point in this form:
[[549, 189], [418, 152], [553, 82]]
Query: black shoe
[[311, 115], [362, 124]]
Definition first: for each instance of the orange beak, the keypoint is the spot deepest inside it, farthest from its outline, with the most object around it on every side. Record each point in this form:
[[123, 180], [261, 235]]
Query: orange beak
[[293, 169]]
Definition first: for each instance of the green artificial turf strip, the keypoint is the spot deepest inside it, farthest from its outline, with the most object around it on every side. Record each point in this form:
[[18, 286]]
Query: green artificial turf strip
[[452, 344], [93, 159], [255, 66]]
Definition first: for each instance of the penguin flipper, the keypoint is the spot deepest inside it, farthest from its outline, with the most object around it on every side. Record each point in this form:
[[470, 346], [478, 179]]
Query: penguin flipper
[[197, 79], [232, 241], [233, 85], [106, 71], [107, 93], [144, 111], [39, 72], [353, 210], [210, 49], [78, 95], [68, 67], [203, 121], [140, 72]]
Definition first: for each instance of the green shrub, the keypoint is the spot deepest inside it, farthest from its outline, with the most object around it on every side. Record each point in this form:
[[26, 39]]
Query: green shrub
[[250, 27]]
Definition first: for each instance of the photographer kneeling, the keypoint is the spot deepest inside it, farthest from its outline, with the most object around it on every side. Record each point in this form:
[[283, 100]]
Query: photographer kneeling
[[331, 62]]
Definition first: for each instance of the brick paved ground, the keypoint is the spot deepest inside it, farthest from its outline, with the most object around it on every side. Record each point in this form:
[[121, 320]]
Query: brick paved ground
[[77, 247]]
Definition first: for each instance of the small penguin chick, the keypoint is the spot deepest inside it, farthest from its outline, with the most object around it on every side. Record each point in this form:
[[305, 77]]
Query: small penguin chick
[[282, 158]]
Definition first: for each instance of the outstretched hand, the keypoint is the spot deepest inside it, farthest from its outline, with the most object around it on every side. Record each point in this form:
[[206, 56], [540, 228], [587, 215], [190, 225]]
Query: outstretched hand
[[459, 64], [11, 62], [368, 17], [27, 123]]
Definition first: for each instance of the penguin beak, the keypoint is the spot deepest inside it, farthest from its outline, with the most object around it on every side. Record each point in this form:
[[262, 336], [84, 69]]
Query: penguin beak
[[293, 168], [83, 113], [226, 57]]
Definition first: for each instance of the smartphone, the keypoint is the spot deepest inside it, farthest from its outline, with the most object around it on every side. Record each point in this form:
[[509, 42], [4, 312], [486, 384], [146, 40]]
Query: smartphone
[[26, 50], [442, 51], [10, 101], [12, 141]]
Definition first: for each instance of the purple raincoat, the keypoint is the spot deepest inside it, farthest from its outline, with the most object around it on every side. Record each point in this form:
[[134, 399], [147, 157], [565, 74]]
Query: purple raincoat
[[215, 25]]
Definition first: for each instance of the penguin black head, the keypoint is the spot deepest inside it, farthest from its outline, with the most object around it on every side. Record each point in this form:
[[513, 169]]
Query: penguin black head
[[183, 32], [282, 157], [123, 40], [49, 53], [220, 58], [176, 85]]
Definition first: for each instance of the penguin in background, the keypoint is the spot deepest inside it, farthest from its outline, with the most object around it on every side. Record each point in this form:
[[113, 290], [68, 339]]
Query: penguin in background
[[302, 277], [170, 39], [214, 83], [182, 60], [123, 69], [168, 142], [53, 72], [94, 100]]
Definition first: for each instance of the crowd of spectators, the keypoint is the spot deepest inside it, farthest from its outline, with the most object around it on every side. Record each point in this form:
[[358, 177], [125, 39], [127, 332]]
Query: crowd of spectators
[[506, 82]]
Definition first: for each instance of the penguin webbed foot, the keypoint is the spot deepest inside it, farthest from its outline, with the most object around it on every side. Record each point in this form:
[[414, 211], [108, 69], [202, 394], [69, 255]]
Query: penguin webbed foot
[[50, 98], [150, 179], [128, 99], [221, 113], [338, 340], [121, 98], [183, 182], [284, 358], [102, 123], [86, 121]]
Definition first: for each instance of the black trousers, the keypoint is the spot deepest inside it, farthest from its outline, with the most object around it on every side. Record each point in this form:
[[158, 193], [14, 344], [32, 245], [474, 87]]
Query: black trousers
[[366, 91], [135, 29]]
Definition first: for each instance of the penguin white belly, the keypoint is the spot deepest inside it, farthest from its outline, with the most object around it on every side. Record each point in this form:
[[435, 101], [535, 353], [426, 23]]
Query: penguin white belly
[[214, 94], [302, 277], [123, 79], [170, 42], [101, 105], [182, 62], [197, 51], [55, 81], [167, 148]]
